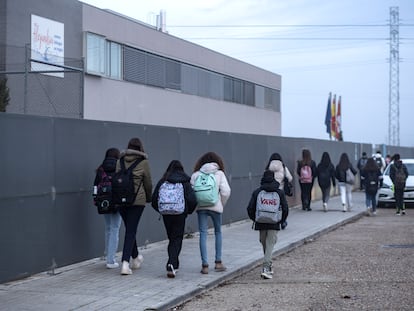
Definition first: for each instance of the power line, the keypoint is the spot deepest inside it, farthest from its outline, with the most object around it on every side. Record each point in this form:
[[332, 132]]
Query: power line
[[284, 26]]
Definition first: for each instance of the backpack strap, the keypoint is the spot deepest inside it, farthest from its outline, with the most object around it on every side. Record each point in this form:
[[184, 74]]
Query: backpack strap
[[133, 165]]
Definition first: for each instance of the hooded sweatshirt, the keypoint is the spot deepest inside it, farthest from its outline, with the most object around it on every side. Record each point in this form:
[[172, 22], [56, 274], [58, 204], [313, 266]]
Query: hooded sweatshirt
[[222, 185], [269, 184]]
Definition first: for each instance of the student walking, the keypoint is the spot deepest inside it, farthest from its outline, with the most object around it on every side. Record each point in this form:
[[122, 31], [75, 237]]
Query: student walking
[[174, 199], [271, 198], [131, 214], [361, 164], [398, 175], [371, 176], [306, 170], [345, 174], [281, 174], [113, 219], [209, 169], [325, 172]]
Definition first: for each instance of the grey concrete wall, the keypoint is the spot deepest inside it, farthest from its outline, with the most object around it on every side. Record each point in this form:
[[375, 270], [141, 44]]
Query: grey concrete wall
[[48, 166]]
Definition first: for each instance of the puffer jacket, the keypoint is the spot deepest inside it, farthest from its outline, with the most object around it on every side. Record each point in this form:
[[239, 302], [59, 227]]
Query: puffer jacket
[[280, 171], [222, 185], [142, 174], [269, 185], [189, 195]]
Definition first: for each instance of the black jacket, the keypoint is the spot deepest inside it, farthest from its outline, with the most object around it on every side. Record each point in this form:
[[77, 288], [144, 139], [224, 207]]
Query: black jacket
[[269, 185], [189, 195], [394, 167], [326, 174]]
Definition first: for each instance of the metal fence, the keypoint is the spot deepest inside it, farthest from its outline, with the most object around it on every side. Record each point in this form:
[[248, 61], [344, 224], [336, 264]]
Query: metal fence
[[40, 87]]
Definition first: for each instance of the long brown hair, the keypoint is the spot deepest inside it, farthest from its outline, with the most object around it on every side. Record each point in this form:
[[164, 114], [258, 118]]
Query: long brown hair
[[306, 157], [208, 158]]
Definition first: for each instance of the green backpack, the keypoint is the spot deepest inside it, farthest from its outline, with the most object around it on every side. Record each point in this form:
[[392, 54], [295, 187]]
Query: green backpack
[[205, 188]]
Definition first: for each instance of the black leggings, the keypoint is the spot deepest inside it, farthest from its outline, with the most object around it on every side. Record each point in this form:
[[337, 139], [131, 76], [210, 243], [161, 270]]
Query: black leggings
[[131, 216]]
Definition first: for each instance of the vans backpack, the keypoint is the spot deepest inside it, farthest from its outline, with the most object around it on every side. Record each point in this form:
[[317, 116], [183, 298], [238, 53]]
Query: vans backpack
[[400, 177], [103, 193], [171, 198], [305, 174], [268, 208], [123, 186], [205, 188]]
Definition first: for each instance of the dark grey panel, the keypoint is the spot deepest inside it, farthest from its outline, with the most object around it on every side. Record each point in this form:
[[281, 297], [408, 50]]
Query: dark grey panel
[[63, 227]]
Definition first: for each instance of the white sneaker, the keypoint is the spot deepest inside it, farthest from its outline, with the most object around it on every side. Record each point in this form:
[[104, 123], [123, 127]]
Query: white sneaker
[[112, 265], [325, 207], [136, 262], [266, 274], [344, 208], [126, 270]]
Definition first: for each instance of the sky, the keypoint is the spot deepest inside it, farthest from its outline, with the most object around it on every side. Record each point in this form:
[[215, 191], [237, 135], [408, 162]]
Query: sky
[[317, 47]]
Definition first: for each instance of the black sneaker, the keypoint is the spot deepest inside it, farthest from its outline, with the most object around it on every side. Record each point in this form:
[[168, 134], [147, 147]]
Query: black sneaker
[[170, 271]]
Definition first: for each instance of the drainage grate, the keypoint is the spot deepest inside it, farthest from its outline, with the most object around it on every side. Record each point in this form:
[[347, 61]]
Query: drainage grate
[[399, 246]]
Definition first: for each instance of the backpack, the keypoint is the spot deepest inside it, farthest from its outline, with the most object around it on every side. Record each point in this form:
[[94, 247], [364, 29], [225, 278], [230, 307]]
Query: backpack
[[171, 198], [400, 177], [306, 174], [205, 188], [268, 208], [103, 193], [350, 177], [362, 163], [123, 187], [371, 183]]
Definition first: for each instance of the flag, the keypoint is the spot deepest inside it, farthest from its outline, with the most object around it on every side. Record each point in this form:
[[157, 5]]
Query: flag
[[338, 119], [328, 116], [333, 117]]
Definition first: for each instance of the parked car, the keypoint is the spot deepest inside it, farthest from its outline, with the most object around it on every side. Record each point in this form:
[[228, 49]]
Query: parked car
[[385, 193]]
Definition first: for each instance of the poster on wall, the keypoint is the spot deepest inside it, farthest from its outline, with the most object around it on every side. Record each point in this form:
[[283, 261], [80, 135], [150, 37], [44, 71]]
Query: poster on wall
[[47, 45]]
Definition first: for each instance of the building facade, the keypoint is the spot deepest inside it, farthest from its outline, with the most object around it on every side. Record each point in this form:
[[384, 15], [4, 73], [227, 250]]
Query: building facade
[[66, 58]]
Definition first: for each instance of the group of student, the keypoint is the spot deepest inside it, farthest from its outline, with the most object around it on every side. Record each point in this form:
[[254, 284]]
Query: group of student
[[328, 175], [343, 174], [270, 196], [134, 157], [210, 163], [371, 170]]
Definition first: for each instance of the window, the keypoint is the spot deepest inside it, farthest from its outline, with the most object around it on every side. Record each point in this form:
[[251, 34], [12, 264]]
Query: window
[[103, 57], [110, 59], [95, 54], [113, 60]]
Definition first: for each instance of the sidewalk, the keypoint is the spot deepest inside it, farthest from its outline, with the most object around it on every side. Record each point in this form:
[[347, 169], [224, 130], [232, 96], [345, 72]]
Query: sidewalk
[[90, 286]]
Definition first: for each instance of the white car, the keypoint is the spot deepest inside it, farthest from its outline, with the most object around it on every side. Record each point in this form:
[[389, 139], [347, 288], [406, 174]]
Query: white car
[[385, 193]]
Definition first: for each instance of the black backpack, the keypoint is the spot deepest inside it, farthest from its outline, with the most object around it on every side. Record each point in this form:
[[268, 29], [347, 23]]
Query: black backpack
[[123, 187], [371, 182], [103, 193]]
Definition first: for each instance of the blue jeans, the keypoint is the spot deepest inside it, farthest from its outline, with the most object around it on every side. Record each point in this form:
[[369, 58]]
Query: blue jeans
[[112, 225], [370, 201], [203, 227]]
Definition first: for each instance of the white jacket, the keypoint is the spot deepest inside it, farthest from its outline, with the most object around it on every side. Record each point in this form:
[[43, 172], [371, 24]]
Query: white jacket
[[276, 166], [222, 185]]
